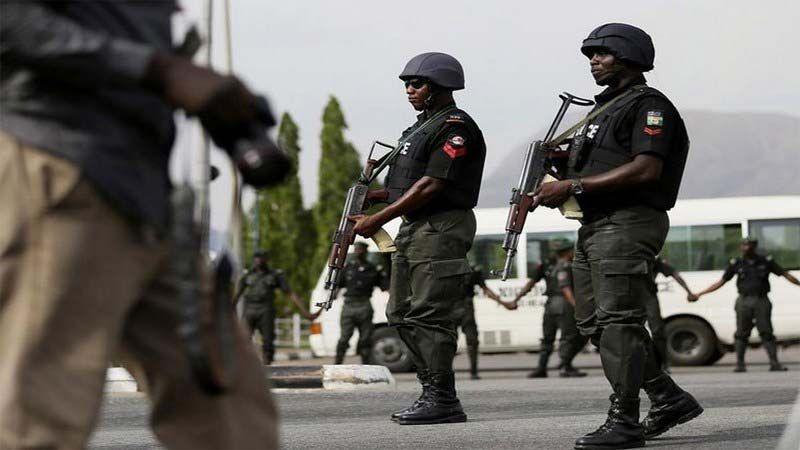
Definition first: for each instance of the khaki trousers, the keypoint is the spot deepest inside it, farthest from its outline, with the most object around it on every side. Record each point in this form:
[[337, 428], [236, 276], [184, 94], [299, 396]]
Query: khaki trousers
[[79, 286]]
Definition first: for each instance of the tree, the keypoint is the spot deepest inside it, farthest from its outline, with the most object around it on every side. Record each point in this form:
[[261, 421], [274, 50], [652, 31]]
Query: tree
[[339, 168], [286, 229]]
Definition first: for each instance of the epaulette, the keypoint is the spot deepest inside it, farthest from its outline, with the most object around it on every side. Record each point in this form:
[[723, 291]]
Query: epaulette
[[455, 118]]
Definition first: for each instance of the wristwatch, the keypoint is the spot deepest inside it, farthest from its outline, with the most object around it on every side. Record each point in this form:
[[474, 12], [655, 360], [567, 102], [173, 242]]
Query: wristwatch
[[577, 186]]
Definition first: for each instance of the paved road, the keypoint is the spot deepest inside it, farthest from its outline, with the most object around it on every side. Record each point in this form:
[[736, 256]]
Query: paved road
[[508, 411]]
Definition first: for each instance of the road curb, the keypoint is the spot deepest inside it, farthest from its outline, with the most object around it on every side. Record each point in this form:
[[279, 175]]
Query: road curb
[[330, 377]]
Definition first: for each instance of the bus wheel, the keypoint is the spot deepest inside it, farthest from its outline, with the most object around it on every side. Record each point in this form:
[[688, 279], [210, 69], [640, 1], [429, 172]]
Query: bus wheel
[[690, 342], [388, 350]]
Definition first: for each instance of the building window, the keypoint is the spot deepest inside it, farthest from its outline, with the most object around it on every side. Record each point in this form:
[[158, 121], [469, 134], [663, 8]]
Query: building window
[[487, 252], [539, 248], [702, 247], [779, 238]]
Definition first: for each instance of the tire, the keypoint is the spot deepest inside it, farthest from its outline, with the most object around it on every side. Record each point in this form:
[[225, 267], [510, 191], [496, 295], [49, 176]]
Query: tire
[[388, 350], [718, 354], [690, 342]]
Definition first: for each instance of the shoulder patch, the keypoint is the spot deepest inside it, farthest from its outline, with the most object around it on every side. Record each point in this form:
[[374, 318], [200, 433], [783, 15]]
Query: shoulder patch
[[768, 258], [454, 147], [732, 261], [562, 275], [655, 119]]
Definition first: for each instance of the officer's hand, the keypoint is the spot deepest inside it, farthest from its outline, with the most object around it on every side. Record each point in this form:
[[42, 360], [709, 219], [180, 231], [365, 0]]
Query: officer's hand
[[236, 120], [552, 194], [192, 88], [313, 316], [692, 298], [365, 225], [511, 306]]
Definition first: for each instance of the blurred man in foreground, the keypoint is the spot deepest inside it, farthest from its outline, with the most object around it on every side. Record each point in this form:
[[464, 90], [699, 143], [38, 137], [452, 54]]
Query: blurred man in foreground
[[88, 92]]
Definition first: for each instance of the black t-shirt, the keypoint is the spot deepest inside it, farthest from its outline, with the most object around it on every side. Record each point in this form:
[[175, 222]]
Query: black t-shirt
[[662, 267], [475, 278], [650, 124], [752, 274], [454, 152]]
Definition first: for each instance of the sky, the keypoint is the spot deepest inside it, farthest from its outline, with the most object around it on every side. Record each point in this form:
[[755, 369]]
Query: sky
[[731, 56]]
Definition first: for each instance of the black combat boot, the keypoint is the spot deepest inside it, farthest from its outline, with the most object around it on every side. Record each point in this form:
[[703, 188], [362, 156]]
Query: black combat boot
[[772, 351], [741, 347], [567, 371], [424, 379], [473, 362], [339, 359], [541, 369], [621, 430], [669, 406], [440, 406]]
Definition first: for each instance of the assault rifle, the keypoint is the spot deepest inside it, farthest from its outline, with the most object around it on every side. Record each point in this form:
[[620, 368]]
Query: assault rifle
[[356, 202], [537, 169]]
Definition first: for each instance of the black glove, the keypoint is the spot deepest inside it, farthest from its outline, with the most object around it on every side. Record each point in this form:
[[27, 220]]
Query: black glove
[[238, 123]]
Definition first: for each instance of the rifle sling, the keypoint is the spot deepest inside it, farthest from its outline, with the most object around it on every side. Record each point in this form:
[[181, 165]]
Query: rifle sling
[[558, 140], [389, 158]]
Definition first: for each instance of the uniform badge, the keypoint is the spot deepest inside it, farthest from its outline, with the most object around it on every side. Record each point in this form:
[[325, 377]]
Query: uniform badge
[[655, 119], [454, 118], [653, 123], [562, 276], [454, 147]]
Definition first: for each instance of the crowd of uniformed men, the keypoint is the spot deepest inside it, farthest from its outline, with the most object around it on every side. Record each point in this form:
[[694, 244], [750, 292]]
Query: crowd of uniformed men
[[88, 92]]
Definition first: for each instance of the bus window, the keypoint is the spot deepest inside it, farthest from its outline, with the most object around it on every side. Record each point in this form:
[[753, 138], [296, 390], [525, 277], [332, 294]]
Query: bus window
[[539, 250], [779, 238], [488, 253], [702, 247]]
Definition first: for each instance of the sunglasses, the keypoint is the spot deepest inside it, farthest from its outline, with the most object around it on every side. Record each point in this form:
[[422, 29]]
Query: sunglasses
[[416, 83]]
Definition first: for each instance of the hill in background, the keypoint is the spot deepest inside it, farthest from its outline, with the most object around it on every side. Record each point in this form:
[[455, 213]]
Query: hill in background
[[731, 155]]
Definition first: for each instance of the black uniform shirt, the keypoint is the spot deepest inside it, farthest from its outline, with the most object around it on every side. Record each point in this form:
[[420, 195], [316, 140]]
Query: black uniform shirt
[[476, 278], [649, 125], [259, 287], [456, 154], [361, 278], [660, 267], [71, 85], [752, 274], [564, 275]]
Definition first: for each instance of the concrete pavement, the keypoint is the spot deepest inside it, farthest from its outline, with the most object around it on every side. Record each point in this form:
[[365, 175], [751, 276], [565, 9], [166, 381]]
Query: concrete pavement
[[508, 411]]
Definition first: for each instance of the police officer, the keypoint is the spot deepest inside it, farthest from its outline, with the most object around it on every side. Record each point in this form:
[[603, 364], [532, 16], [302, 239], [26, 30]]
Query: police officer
[[465, 315], [433, 185], [625, 169], [257, 286], [559, 311], [361, 277], [653, 308], [86, 98], [752, 281]]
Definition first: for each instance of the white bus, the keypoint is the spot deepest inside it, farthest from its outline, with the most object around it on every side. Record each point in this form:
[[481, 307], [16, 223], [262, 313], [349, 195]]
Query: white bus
[[704, 235]]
